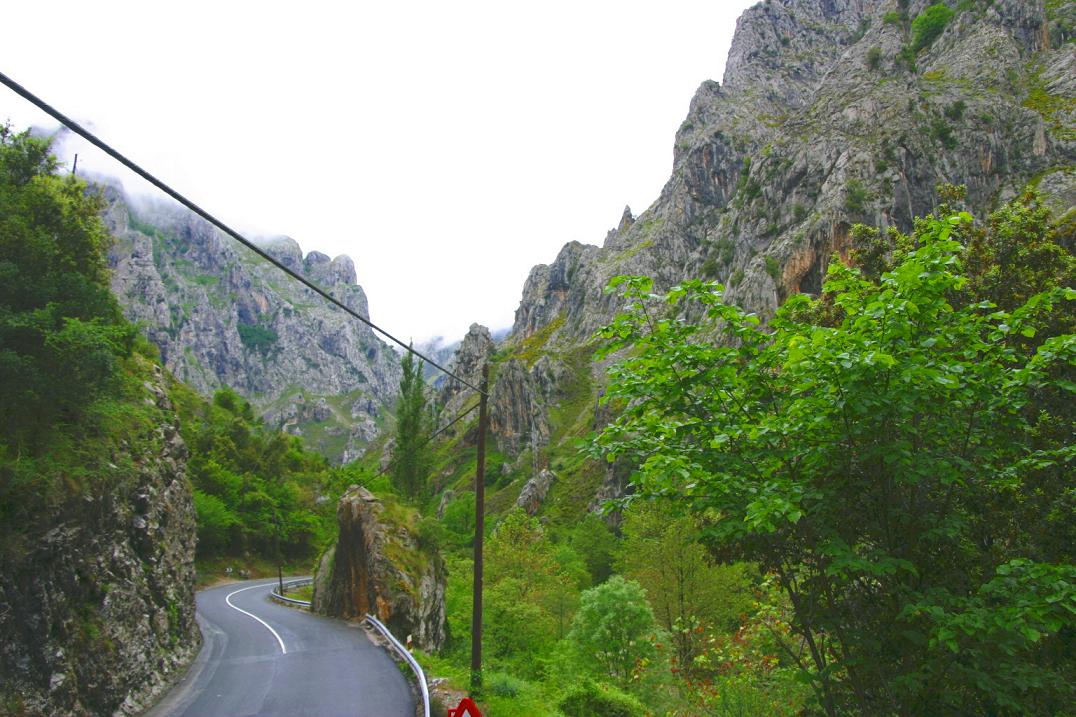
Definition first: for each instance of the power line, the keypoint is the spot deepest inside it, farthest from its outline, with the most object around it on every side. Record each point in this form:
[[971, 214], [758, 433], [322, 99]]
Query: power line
[[426, 442], [93, 139]]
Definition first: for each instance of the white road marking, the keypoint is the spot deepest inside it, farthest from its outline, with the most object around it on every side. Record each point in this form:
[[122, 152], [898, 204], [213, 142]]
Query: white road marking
[[228, 600]]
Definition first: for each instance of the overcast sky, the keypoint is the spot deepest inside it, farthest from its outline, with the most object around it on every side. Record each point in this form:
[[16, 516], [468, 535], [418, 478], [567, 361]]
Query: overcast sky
[[447, 147]]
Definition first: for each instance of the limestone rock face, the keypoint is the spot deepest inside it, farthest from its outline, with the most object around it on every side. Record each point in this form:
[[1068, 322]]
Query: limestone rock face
[[378, 567], [518, 418], [98, 615], [473, 353], [819, 124], [221, 316], [535, 491]]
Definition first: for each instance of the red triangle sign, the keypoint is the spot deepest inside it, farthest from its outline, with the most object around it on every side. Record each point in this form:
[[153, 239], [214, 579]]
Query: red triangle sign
[[466, 707]]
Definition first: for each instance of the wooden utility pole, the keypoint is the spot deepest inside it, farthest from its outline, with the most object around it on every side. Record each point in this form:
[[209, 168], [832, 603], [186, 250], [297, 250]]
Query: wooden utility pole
[[479, 534]]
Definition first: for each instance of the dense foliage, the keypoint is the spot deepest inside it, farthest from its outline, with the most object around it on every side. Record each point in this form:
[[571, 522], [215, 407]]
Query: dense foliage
[[72, 404], [929, 24], [61, 330], [896, 454], [256, 491]]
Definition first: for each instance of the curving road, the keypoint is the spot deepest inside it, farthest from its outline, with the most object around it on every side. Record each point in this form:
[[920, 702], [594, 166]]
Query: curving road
[[266, 660]]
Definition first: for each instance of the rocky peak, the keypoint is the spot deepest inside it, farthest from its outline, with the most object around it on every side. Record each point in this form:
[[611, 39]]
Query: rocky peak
[[222, 316], [342, 270], [553, 290], [823, 121], [626, 220], [285, 250], [782, 48], [473, 353], [826, 118]]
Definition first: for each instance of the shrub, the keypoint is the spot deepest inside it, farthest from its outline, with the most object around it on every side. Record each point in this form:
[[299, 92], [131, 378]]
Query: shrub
[[612, 626], [929, 24], [502, 684], [257, 338], [955, 111], [773, 268], [874, 58], [942, 132], [856, 196], [592, 700]]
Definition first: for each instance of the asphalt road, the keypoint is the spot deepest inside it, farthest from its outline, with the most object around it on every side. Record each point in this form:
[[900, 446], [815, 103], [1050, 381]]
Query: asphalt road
[[262, 659]]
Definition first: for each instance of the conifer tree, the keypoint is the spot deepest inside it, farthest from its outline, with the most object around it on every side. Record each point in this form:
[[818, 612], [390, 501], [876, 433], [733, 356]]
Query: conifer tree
[[410, 461]]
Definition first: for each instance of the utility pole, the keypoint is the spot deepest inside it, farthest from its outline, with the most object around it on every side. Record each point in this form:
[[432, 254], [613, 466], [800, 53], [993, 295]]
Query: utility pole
[[479, 535], [279, 568], [74, 168]]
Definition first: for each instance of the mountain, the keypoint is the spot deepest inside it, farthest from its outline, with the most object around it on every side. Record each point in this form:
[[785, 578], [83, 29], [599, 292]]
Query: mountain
[[830, 113], [827, 116], [221, 316]]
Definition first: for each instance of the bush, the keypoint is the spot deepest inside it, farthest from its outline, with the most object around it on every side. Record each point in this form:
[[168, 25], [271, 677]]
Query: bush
[[929, 24], [257, 338], [592, 700], [502, 684], [955, 111], [773, 268], [62, 334], [942, 132], [612, 628], [874, 58], [856, 196]]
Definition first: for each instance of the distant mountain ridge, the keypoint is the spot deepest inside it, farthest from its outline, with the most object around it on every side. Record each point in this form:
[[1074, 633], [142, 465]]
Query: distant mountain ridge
[[220, 316]]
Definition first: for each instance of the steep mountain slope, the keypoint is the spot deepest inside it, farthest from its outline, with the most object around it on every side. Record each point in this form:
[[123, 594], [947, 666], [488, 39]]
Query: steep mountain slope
[[97, 604], [222, 316], [827, 116], [831, 112], [97, 522]]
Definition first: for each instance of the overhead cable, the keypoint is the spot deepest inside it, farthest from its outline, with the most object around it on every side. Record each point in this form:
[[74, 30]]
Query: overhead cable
[[94, 140], [426, 442]]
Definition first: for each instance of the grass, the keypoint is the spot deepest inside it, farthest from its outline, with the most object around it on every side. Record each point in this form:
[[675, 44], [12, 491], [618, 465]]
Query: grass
[[531, 348], [1054, 109]]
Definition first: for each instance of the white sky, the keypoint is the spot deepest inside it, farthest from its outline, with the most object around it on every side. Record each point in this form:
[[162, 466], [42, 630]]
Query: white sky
[[447, 147]]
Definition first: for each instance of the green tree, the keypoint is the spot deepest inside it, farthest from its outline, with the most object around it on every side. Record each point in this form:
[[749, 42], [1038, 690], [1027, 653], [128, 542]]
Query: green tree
[[254, 488], [526, 578], [592, 539], [410, 457], [61, 330], [690, 595], [876, 467], [929, 24], [613, 627]]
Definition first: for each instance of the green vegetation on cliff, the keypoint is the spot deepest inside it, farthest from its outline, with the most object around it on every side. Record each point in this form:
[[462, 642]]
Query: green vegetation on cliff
[[255, 490], [897, 455], [98, 588]]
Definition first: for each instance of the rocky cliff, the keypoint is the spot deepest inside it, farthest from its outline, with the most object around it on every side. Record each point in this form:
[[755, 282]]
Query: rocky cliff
[[380, 566], [222, 316], [830, 113], [97, 612], [833, 112]]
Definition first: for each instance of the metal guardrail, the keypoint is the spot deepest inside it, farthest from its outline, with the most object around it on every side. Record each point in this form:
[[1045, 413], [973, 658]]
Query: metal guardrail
[[292, 584], [420, 676]]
